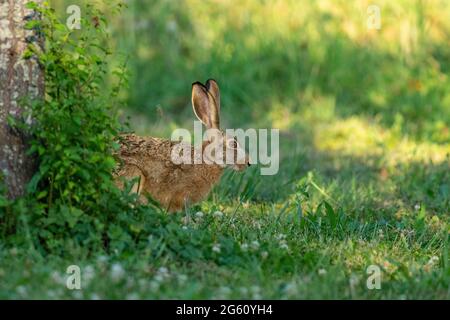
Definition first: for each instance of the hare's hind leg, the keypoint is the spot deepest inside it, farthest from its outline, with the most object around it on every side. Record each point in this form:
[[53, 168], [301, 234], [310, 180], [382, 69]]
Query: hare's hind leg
[[130, 173], [138, 186]]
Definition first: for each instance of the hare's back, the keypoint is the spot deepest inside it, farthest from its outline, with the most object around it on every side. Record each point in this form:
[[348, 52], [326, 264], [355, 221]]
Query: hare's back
[[151, 155]]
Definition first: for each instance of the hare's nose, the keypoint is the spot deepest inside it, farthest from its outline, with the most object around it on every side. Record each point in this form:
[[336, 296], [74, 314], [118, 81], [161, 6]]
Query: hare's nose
[[248, 164]]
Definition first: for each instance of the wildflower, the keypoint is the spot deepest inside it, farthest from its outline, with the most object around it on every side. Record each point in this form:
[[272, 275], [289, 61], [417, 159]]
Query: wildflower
[[433, 260], [171, 26], [184, 227], [161, 274], [255, 289], [218, 214], [216, 248], [244, 247], [354, 280], [322, 272], [429, 265], [142, 283], [199, 214], [88, 274], [163, 270], [225, 291], [77, 294], [256, 292], [182, 278], [264, 254], [102, 259], [159, 278], [417, 207], [51, 294], [244, 291], [95, 296], [117, 272], [255, 245], [56, 276], [132, 296], [281, 236], [154, 285], [291, 289], [283, 245], [22, 290]]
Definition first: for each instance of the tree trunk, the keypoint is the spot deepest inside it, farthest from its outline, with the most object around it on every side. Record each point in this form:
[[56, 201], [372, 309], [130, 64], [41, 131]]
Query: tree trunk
[[18, 78]]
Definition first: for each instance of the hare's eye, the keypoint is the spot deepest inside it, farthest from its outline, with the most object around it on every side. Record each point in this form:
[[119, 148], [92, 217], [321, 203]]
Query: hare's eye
[[232, 144]]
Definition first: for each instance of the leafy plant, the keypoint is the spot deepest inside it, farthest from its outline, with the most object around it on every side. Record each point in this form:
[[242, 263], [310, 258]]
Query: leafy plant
[[72, 198]]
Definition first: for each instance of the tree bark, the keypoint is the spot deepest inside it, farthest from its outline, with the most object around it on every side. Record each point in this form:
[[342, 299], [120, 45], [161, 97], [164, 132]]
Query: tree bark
[[18, 78]]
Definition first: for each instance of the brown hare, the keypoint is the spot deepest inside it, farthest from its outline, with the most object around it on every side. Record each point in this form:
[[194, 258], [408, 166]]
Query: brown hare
[[173, 185]]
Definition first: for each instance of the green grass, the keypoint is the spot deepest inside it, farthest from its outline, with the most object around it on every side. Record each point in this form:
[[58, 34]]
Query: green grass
[[364, 172]]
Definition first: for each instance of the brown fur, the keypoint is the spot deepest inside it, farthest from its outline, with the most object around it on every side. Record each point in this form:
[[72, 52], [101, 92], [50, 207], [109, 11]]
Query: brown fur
[[173, 186], [149, 159]]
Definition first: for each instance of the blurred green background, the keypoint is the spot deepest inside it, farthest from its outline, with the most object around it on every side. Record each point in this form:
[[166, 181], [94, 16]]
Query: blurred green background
[[279, 63]]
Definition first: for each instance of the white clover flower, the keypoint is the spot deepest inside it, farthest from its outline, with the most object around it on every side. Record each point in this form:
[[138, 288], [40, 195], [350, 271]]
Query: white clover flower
[[283, 245], [88, 274], [354, 280], [244, 291], [95, 296], [264, 254], [199, 214], [322, 272], [117, 272], [142, 283], [163, 270], [158, 278], [281, 236], [154, 285], [102, 259], [417, 207], [51, 294], [218, 214], [244, 247], [433, 260], [56, 277], [77, 294], [184, 227], [22, 290], [225, 290], [255, 289], [216, 248], [291, 288], [255, 245], [172, 26], [182, 278], [132, 296], [257, 296]]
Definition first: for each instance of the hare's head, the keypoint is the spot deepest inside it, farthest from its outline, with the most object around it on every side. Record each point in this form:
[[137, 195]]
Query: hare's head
[[220, 148]]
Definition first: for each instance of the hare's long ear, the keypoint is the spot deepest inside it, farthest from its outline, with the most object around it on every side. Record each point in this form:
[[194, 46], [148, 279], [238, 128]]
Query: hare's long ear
[[213, 89], [204, 106]]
